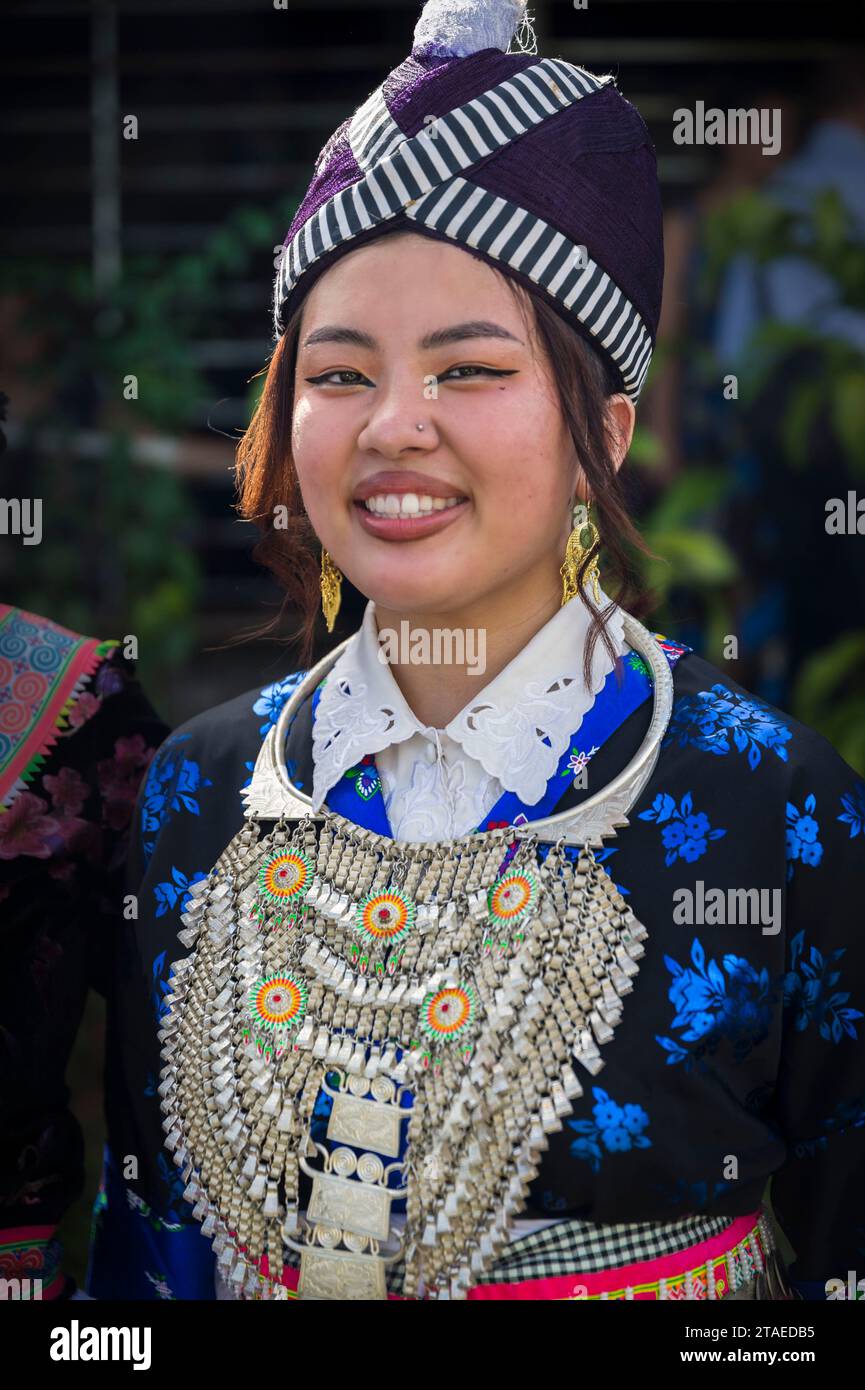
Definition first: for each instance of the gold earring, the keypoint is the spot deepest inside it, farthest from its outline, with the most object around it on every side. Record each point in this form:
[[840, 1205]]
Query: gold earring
[[575, 553], [331, 589]]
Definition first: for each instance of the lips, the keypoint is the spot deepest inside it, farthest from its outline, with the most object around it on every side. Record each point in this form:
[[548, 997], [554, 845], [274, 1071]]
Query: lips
[[409, 528], [400, 481]]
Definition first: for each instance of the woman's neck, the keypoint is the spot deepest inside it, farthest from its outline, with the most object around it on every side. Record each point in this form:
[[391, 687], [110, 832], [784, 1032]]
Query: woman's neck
[[488, 637]]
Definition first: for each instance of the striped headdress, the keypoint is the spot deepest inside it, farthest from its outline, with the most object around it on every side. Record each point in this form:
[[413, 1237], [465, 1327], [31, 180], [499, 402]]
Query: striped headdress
[[534, 164]]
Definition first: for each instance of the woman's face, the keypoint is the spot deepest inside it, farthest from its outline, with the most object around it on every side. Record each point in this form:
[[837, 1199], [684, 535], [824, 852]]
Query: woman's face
[[409, 330]]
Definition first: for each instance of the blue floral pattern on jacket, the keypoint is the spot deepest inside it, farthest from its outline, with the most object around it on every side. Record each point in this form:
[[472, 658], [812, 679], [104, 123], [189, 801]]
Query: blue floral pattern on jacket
[[854, 810], [803, 831], [712, 718], [615, 1128], [686, 833], [173, 783], [809, 992], [714, 1003]]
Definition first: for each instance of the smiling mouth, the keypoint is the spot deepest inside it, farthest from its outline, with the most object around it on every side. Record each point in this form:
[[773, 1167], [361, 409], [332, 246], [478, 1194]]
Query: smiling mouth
[[408, 504], [407, 516]]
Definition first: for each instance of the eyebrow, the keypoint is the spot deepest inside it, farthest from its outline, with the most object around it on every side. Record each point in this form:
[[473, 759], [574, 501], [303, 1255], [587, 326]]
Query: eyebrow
[[475, 328]]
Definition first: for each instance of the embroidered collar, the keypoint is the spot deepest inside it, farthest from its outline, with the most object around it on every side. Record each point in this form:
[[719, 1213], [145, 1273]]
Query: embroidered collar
[[517, 727]]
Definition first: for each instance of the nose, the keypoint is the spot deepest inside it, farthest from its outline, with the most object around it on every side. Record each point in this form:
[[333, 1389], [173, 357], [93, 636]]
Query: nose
[[397, 407]]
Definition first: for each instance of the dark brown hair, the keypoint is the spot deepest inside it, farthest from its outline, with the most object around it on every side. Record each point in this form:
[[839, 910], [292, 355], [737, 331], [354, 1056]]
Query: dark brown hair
[[267, 480]]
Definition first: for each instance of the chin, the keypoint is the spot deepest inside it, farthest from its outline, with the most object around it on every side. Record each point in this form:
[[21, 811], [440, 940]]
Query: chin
[[416, 594]]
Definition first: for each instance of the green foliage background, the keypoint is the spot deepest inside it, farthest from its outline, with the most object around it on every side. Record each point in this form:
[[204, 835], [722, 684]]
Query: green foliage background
[[122, 561], [827, 692]]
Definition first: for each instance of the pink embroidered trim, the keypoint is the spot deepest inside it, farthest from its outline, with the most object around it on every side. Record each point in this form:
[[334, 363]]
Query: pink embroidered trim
[[25, 1235], [36, 702], [29, 1253]]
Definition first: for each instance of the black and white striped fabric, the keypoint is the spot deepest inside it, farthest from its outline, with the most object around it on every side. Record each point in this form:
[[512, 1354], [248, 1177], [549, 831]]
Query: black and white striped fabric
[[422, 177]]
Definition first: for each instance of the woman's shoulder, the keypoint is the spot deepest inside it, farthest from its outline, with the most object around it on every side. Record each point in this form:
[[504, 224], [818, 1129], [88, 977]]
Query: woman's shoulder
[[226, 737], [713, 714], [191, 802]]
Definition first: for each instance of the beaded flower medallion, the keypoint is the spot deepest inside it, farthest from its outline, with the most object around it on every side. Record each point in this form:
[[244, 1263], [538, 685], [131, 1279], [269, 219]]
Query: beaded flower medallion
[[276, 1005], [283, 880]]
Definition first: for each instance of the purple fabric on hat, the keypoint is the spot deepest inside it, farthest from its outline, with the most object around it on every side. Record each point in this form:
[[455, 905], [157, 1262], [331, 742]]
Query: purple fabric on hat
[[336, 169], [412, 92], [563, 171], [411, 78], [589, 171], [337, 166]]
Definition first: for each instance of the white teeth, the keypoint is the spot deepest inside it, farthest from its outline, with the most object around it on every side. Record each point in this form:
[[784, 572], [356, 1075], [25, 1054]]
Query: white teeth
[[408, 504]]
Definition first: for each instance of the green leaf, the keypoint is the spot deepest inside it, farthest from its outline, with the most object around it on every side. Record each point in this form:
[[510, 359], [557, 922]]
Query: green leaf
[[847, 407], [696, 491], [831, 223], [646, 450], [799, 421], [825, 674], [692, 557]]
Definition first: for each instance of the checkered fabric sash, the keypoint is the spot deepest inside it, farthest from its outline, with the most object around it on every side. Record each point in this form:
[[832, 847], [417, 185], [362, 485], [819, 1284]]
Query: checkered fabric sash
[[585, 1247]]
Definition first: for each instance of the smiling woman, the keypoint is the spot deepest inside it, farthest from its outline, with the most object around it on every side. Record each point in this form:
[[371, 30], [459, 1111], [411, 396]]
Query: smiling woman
[[376, 1070], [336, 439]]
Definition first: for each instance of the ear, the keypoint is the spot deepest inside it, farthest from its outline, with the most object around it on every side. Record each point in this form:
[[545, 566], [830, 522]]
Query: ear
[[621, 418]]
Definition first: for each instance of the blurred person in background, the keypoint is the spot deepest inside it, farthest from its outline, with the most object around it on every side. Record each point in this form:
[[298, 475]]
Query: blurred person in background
[[804, 576], [775, 278], [76, 737]]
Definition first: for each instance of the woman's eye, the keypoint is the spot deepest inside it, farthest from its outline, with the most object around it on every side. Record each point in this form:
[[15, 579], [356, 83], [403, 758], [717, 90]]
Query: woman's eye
[[325, 378], [468, 367]]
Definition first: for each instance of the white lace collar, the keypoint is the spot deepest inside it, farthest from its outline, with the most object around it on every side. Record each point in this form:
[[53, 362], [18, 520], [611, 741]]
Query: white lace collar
[[517, 727]]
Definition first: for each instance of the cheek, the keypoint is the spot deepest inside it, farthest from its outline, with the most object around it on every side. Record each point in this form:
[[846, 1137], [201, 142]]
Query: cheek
[[519, 513], [315, 449], [306, 432], [523, 477]]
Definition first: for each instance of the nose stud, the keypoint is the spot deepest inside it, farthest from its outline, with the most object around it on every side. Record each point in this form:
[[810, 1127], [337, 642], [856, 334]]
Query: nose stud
[[420, 427]]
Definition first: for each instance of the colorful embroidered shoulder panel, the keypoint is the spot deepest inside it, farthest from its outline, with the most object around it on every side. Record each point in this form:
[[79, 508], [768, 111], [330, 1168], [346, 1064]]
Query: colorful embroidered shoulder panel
[[44, 671]]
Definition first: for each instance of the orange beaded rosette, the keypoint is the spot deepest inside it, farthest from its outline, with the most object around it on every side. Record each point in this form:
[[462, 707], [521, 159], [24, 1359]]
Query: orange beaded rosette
[[277, 1001], [286, 877], [385, 918], [446, 1020], [448, 1013], [512, 898]]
